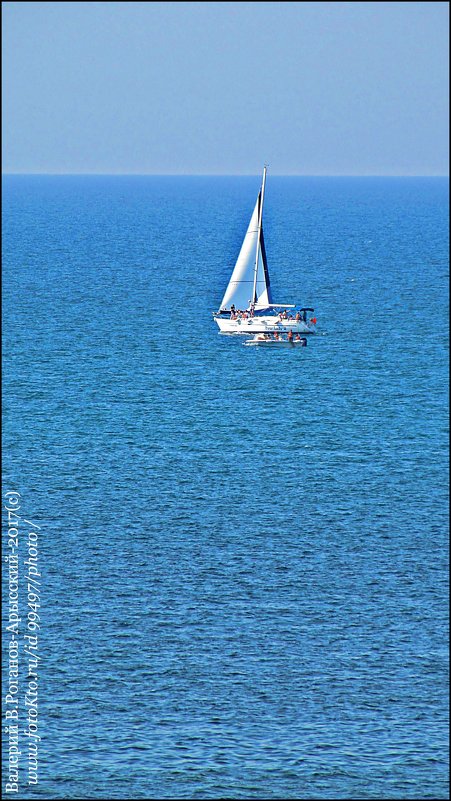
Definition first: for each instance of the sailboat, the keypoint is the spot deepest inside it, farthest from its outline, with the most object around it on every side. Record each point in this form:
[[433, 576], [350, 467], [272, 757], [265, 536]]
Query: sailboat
[[247, 306]]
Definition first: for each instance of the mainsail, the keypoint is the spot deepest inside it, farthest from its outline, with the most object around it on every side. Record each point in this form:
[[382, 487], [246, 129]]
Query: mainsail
[[249, 282]]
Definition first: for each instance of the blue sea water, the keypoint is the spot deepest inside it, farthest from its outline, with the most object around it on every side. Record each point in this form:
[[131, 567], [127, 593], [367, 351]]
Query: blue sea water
[[243, 553]]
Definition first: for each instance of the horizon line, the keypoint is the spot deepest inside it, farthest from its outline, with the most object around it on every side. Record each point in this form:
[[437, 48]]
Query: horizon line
[[221, 175]]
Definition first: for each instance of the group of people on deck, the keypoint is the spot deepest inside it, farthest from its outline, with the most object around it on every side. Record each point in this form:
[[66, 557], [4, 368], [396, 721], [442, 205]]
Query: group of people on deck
[[300, 315], [240, 314]]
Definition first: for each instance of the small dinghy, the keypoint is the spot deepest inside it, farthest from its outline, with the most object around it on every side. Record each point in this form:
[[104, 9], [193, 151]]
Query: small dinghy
[[276, 342]]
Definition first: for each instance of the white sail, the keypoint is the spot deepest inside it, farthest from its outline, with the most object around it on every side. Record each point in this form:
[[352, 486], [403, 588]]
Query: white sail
[[262, 290], [241, 285]]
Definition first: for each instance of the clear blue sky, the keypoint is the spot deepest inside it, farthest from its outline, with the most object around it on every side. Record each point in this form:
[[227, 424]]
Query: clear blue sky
[[358, 88]]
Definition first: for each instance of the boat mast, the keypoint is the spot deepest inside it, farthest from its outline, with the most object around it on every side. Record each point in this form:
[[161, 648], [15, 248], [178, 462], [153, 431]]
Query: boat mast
[[254, 292]]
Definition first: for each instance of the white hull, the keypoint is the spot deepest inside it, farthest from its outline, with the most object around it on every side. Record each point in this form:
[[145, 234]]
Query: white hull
[[257, 325]]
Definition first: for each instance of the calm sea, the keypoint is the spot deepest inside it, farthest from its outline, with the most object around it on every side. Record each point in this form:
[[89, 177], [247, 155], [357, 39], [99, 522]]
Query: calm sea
[[243, 553]]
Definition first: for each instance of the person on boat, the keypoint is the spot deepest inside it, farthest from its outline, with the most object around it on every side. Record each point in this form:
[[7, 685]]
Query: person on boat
[[298, 317], [290, 336], [251, 309], [313, 320], [276, 335], [232, 312], [284, 315], [298, 337]]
